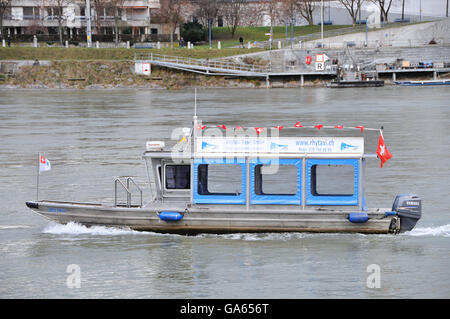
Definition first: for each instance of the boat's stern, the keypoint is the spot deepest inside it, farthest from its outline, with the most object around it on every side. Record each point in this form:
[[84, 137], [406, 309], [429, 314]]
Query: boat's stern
[[409, 209]]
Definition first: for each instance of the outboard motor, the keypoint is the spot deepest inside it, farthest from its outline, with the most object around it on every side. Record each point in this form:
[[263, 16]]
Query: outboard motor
[[409, 209]]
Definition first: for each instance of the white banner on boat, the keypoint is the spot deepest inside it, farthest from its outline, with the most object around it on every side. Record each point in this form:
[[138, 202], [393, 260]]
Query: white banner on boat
[[283, 145]]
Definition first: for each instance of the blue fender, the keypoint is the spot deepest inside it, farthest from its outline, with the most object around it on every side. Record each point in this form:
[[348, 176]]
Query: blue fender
[[170, 216], [358, 217]]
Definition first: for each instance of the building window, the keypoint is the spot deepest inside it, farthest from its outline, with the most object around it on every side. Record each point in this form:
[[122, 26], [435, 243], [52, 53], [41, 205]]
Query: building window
[[178, 176], [28, 13]]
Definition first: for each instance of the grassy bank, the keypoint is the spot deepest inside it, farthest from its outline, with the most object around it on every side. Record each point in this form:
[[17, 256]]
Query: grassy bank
[[85, 54], [259, 33]]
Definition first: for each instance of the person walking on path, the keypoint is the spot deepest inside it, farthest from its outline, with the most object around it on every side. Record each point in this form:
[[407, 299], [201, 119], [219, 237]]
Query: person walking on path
[[241, 42]]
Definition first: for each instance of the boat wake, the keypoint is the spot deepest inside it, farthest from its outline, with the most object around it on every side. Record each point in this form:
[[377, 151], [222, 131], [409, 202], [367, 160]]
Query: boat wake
[[437, 231], [72, 228], [256, 236], [13, 226]]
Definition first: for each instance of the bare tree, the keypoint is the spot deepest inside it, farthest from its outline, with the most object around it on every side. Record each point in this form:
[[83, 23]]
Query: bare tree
[[60, 10], [170, 12], [116, 8], [233, 11], [207, 10], [252, 15], [288, 10], [306, 9], [272, 9], [5, 5], [385, 6], [353, 7], [99, 6]]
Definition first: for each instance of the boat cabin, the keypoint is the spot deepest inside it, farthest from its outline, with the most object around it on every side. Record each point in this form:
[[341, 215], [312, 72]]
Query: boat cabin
[[306, 168]]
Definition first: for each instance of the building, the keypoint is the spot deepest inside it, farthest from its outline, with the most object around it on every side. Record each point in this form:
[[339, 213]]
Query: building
[[22, 19]]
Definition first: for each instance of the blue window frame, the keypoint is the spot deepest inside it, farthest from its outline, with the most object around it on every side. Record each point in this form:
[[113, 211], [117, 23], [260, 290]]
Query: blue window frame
[[257, 195], [313, 197], [202, 192]]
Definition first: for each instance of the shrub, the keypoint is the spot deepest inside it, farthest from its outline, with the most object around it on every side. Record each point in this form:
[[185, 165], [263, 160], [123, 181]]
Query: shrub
[[193, 32]]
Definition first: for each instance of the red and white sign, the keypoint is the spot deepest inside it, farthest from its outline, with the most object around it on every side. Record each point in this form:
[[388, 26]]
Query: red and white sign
[[146, 68], [321, 58], [142, 68]]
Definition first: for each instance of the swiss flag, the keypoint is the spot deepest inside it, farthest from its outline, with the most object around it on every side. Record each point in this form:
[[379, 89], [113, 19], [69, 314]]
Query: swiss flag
[[382, 151]]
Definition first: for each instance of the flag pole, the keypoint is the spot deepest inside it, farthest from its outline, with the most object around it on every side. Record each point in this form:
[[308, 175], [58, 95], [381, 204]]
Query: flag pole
[[37, 183]]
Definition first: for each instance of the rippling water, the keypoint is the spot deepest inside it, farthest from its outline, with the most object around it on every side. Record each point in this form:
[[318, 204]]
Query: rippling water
[[91, 137]]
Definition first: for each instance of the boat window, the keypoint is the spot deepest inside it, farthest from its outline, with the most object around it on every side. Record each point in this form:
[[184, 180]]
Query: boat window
[[159, 174], [219, 179], [332, 180], [282, 181], [178, 176]]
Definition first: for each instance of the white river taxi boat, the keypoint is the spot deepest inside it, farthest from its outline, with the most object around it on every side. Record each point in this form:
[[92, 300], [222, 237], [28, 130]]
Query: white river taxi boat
[[221, 180]]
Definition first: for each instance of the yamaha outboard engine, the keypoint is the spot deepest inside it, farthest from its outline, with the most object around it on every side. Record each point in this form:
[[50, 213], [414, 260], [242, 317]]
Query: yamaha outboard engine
[[409, 210]]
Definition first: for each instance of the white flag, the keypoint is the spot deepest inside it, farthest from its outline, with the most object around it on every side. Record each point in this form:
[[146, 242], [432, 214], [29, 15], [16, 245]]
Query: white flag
[[44, 164]]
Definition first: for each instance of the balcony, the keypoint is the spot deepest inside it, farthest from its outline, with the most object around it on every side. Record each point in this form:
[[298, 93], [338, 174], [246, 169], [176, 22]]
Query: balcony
[[152, 4]]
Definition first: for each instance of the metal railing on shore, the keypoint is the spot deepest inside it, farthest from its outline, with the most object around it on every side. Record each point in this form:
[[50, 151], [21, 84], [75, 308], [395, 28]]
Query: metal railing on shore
[[202, 64]]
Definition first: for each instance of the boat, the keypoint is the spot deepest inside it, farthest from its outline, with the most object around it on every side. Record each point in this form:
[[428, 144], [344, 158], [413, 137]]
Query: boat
[[423, 83], [217, 179], [349, 78], [356, 83]]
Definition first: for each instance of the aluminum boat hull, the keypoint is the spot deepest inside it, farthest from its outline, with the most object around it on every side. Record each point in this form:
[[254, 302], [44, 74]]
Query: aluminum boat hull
[[216, 218]]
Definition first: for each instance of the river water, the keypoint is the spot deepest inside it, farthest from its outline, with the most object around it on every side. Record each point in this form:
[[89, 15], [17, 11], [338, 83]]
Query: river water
[[93, 136]]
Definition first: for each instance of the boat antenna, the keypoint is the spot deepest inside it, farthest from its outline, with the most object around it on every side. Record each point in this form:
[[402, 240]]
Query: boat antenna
[[195, 112], [195, 103]]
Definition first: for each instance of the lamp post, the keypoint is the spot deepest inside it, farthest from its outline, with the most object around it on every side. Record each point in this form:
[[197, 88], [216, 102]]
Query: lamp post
[[420, 10], [88, 23], [321, 27], [367, 33], [292, 33], [286, 34], [210, 22], [271, 35]]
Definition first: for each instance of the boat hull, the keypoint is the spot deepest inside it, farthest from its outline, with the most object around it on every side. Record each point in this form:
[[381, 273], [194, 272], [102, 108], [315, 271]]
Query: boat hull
[[214, 219], [423, 83], [351, 84]]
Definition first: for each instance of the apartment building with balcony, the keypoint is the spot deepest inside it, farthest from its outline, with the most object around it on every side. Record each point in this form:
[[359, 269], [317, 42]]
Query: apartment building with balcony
[[23, 19]]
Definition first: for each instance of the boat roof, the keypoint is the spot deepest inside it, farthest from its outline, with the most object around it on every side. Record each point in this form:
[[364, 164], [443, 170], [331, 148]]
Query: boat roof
[[220, 140]]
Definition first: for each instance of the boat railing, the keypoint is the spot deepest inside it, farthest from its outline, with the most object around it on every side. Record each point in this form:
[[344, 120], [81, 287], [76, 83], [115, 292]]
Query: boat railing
[[130, 179], [126, 187]]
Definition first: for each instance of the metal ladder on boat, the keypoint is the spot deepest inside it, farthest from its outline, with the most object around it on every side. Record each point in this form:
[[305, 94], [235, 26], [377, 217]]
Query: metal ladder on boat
[[129, 182]]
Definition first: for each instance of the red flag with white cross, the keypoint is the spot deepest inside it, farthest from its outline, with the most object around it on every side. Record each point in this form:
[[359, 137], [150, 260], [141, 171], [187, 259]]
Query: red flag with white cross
[[383, 153]]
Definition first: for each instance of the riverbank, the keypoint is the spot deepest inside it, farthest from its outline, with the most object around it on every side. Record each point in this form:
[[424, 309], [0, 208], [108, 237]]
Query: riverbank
[[120, 74], [112, 74]]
